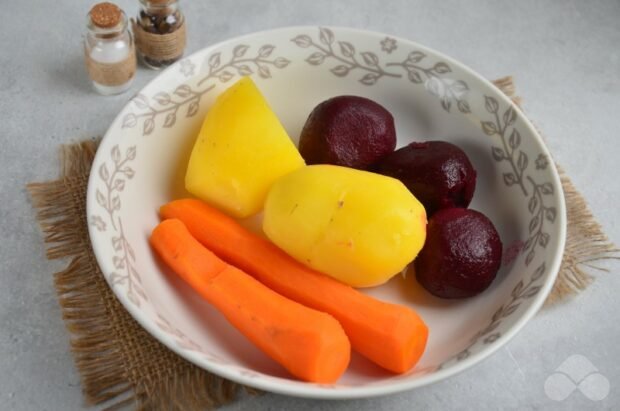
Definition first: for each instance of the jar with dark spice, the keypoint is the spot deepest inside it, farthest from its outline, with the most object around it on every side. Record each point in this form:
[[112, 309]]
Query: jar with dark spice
[[160, 33]]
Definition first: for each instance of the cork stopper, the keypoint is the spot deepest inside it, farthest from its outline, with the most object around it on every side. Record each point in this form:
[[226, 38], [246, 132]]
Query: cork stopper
[[105, 15]]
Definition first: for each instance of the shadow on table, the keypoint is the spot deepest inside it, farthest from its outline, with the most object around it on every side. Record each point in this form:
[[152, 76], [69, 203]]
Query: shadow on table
[[72, 75]]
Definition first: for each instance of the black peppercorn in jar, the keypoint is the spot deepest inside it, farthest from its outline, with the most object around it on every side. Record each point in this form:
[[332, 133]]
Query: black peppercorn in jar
[[159, 30]]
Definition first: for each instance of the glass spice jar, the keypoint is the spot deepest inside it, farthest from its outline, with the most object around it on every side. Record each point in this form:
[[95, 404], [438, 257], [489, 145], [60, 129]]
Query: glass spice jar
[[109, 49], [160, 33]]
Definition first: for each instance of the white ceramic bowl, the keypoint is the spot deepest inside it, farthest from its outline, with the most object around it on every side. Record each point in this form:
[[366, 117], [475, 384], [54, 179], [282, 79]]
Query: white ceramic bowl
[[141, 162]]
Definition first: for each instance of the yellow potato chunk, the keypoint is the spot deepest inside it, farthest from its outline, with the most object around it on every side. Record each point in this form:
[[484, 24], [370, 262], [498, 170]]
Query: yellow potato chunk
[[242, 148], [361, 228]]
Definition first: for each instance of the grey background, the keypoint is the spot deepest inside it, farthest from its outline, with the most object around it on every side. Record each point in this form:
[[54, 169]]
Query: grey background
[[565, 56]]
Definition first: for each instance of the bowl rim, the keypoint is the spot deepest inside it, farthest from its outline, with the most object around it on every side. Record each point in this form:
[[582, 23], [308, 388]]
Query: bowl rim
[[310, 390]]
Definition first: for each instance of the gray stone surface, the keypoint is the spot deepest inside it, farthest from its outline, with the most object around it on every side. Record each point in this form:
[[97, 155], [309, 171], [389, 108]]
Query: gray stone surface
[[565, 56]]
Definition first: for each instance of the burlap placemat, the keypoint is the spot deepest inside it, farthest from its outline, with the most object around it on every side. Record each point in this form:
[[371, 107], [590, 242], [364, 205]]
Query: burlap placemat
[[121, 364]]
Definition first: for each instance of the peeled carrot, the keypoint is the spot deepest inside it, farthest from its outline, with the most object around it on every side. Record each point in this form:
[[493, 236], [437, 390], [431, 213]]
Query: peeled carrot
[[392, 336], [310, 344]]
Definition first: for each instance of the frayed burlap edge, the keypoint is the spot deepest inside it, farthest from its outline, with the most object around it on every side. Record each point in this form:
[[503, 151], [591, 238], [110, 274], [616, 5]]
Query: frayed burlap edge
[[586, 243], [104, 338], [111, 375]]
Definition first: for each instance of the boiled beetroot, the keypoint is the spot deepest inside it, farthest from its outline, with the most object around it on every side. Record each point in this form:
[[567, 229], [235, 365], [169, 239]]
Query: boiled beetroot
[[438, 173], [347, 131], [461, 256]]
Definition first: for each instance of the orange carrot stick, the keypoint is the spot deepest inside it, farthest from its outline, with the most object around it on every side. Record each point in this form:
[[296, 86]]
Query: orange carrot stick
[[390, 335], [310, 344]]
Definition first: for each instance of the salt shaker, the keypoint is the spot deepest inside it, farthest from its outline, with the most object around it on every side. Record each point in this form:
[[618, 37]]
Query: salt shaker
[[160, 32], [109, 49]]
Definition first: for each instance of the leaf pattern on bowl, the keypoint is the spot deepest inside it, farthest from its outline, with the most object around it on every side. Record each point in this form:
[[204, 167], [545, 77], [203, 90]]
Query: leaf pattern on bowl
[[186, 343], [445, 89], [182, 340], [241, 65], [113, 176], [97, 222], [510, 152], [345, 54], [164, 105], [489, 334], [184, 101], [349, 59]]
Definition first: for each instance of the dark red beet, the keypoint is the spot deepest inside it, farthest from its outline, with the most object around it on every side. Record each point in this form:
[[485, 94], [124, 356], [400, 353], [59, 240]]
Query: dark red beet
[[438, 173], [347, 131], [461, 256]]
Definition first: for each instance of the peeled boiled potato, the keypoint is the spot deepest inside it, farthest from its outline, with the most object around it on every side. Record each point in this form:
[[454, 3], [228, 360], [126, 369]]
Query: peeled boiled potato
[[240, 151], [358, 227]]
